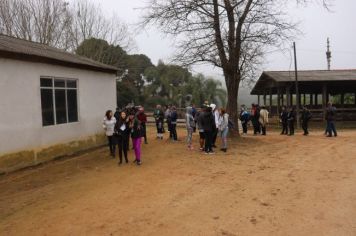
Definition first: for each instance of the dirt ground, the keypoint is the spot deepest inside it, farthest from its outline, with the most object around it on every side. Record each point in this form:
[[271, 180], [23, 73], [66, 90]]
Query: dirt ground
[[273, 185]]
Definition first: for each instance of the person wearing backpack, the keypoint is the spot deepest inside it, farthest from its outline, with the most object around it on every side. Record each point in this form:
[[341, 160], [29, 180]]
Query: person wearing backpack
[[305, 117], [190, 124], [255, 116], [223, 128], [244, 117]]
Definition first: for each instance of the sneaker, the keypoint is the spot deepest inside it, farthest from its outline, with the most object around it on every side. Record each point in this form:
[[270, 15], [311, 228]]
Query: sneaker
[[138, 163]]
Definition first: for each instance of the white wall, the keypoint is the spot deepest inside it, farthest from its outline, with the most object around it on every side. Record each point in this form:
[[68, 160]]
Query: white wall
[[20, 105]]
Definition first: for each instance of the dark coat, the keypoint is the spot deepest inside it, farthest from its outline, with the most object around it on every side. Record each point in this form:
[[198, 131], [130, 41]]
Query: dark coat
[[208, 121], [306, 115], [284, 116], [118, 131], [292, 116], [330, 114], [136, 129]]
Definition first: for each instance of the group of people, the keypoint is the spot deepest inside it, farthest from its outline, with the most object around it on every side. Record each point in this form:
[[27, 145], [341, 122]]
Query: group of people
[[210, 121], [123, 125], [288, 117]]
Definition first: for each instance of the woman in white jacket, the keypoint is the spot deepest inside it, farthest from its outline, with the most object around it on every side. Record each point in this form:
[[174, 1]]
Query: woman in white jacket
[[109, 126], [223, 125], [263, 119]]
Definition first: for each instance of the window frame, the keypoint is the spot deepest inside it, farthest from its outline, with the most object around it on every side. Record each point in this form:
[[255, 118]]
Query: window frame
[[53, 88]]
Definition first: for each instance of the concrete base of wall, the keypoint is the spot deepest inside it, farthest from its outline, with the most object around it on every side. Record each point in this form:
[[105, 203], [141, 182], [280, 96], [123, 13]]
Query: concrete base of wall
[[27, 158]]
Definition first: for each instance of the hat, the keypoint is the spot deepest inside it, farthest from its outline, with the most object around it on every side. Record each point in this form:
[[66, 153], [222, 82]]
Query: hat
[[213, 106]]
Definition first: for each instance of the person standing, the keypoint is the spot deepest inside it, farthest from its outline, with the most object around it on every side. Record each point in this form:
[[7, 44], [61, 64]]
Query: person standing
[[291, 120], [142, 117], [122, 133], [223, 128], [216, 115], [209, 126], [190, 124], [167, 115], [109, 127], [136, 135], [305, 117], [159, 118], [244, 117], [255, 116], [284, 120], [263, 119], [174, 118], [330, 120], [199, 117], [194, 114]]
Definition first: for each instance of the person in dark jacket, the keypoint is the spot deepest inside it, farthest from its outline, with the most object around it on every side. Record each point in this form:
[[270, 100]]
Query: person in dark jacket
[[122, 134], [136, 135], [141, 116], [305, 118], [174, 118], [194, 114], [209, 126], [291, 118], [159, 118], [198, 118], [330, 120], [244, 117], [284, 120], [255, 116]]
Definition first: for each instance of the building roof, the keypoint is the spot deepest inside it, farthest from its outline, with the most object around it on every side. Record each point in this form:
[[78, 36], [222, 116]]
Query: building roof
[[20, 49], [271, 79]]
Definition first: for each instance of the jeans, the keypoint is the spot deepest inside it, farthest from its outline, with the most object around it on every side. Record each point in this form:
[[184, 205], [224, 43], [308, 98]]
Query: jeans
[[224, 134], [174, 131], [305, 126], [284, 127], [244, 126], [291, 127], [208, 140], [137, 146], [111, 143], [189, 136], [122, 142], [331, 128]]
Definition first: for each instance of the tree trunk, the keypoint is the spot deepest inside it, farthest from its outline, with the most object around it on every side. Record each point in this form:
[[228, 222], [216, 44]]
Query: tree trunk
[[232, 84]]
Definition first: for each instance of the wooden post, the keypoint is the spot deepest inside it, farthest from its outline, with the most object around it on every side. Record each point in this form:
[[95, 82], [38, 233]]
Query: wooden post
[[316, 100], [324, 99], [342, 100], [270, 100], [264, 98], [304, 99], [311, 99], [258, 99], [282, 97], [288, 96], [278, 100]]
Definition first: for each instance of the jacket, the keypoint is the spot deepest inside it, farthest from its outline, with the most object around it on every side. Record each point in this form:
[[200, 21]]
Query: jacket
[[142, 117], [291, 116], [284, 116], [330, 114], [174, 117], [136, 129], [189, 118], [306, 115], [158, 115], [109, 125], [122, 128], [263, 117], [224, 122], [208, 121]]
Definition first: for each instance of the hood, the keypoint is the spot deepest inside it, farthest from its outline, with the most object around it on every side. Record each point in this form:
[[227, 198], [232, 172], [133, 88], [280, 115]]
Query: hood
[[213, 106]]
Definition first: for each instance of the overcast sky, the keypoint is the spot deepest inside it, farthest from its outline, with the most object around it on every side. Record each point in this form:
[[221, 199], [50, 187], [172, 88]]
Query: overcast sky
[[316, 23]]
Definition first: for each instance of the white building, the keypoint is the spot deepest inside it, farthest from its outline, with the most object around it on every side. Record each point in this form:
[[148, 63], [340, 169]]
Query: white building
[[51, 102]]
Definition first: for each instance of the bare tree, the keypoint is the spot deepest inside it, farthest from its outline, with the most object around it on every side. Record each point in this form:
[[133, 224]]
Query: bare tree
[[230, 34], [61, 24]]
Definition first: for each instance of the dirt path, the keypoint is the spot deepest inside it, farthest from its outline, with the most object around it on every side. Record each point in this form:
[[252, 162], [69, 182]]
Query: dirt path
[[272, 185]]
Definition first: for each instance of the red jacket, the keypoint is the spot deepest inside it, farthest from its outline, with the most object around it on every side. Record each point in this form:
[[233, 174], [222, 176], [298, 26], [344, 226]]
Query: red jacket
[[142, 117]]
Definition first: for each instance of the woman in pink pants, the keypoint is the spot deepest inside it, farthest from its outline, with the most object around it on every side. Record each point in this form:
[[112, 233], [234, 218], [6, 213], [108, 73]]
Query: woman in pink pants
[[136, 135]]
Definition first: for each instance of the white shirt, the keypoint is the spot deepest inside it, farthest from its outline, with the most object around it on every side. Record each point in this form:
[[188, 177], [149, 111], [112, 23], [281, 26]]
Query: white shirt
[[109, 126]]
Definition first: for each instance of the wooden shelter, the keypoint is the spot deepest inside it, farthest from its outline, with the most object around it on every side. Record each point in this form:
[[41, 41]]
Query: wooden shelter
[[316, 89]]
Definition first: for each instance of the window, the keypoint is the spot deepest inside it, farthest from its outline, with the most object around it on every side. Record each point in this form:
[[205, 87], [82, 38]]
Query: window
[[59, 101]]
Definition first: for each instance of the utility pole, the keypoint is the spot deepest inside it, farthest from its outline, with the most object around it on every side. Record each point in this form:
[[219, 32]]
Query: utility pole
[[296, 85], [328, 53]]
